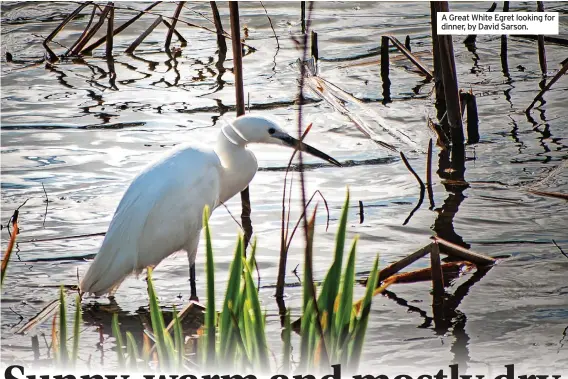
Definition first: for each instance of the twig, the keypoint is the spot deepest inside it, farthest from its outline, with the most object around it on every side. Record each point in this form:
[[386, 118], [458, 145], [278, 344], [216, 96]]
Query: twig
[[95, 7], [78, 49], [458, 251], [271, 26], [52, 56], [218, 27], [233, 217], [46, 203], [240, 105], [8, 253], [420, 182], [109, 45], [559, 248], [143, 36], [102, 40], [541, 51], [173, 25], [429, 175], [547, 87]]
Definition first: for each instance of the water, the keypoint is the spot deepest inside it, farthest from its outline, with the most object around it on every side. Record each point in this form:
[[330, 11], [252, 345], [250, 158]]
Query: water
[[64, 126]]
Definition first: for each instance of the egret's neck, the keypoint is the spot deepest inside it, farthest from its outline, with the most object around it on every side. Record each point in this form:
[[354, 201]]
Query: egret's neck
[[238, 162]]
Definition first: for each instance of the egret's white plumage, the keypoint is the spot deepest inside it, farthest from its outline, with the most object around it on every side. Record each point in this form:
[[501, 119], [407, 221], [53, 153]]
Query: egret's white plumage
[[161, 211]]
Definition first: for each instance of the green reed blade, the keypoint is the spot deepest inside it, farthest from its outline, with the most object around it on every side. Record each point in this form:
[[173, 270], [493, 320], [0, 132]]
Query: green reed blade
[[63, 352], [330, 288], [232, 294], [257, 319], [118, 337], [179, 344], [76, 331], [158, 326], [345, 307], [210, 313], [131, 350], [361, 328]]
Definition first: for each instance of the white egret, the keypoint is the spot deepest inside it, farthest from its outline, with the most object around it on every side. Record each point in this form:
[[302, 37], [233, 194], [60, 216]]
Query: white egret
[[161, 211]]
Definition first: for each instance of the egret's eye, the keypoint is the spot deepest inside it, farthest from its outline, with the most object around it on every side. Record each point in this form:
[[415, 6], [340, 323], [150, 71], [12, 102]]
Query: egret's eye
[[271, 131]]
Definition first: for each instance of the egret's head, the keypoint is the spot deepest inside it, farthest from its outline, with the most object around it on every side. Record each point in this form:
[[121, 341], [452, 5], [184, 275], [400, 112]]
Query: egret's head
[[254, 129]]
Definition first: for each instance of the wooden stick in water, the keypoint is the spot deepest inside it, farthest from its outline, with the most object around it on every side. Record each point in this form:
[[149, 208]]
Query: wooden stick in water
[[240, 104], [122, 27], [538, 97], [541, 51], [459, 252], [143, 36]]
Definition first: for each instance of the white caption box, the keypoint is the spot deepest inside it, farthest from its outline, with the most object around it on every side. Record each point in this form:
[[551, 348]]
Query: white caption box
[[465, 23]]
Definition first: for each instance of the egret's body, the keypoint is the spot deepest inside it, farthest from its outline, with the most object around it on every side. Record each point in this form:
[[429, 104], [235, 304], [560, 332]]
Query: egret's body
[[161, 211]]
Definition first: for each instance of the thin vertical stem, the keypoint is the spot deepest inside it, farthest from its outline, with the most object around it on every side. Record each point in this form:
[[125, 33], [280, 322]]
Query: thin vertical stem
[[450, 80], [221, 42], [240, 105], [541, 51], [173, 26], [504, 59], [439, 85], [385, 68]]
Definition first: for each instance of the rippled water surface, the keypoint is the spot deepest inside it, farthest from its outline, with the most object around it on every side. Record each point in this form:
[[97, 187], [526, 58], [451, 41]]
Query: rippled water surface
[[65, 127]]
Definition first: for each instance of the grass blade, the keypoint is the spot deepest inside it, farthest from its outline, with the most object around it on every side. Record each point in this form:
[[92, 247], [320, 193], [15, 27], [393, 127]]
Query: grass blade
[[287, 341], [210, 313], [158, 326], [363, 318], [76, 331], [232, 299], [132, 350], [118, 337], [63, 353], [178, 338], [345, 307], [330, 288]]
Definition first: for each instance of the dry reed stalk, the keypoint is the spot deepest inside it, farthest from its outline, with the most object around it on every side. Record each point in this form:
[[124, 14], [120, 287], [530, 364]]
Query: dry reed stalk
[[143, 36], [284, 244], [449, 77], [462, 253], [11, 244], [240, 105], [538, 97], [109, 45], [221, 42], [395, 267], [557, 195], [93, 12], [425, 274], [411, 57], [303, 16], [314, 45], [407, 43], [170, 34], [122, 27], [420, 182], [90, 34], [469, 105], [385, 69], [52, 56], [438, 82], [182, 40], [361, 212], [504, 59], [541, 51], [437, 273], [429, 175]]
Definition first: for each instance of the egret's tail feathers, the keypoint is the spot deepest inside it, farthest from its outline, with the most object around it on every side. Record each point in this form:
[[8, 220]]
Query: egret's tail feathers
[[106, 273]]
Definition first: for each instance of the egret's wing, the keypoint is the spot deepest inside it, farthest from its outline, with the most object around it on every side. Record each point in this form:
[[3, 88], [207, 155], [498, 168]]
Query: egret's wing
[[158, 215]]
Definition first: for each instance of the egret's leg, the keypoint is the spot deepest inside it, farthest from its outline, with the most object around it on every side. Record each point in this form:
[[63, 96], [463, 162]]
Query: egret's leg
[[192, 283]]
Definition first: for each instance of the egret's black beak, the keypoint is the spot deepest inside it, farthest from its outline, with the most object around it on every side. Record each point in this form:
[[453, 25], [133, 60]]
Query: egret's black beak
[[294, 143]]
